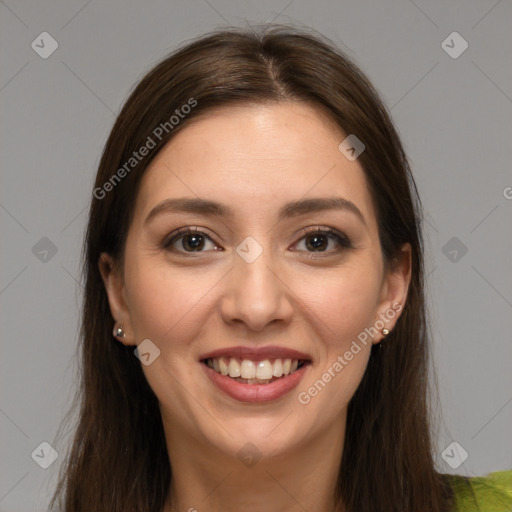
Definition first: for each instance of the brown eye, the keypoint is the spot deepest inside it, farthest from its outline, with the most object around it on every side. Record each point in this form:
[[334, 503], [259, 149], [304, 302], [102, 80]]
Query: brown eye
[[193, 242], [318, 242], [324, 240], [189, 240]]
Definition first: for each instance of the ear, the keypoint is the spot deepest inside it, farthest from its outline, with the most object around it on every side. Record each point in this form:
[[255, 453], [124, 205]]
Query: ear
[[394, 290], [115, 288]]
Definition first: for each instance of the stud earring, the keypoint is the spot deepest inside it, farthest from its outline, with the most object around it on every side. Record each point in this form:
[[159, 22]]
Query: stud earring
[[118, 331], [385, 332]]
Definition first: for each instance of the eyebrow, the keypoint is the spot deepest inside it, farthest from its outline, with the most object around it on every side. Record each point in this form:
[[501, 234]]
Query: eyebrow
[[289, 210]]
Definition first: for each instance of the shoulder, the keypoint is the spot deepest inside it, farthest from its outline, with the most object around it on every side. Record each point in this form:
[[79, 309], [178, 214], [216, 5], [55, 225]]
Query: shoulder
[[490, 493]]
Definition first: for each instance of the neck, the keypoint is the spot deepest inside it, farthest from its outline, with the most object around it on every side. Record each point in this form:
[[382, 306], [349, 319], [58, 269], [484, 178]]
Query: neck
[[299, 478]]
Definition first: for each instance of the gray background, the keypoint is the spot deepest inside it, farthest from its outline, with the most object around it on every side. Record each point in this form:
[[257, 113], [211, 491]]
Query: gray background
[[452, 113]]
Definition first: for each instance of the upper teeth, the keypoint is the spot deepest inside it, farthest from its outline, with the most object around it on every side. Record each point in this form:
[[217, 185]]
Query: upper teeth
[[248, 369]]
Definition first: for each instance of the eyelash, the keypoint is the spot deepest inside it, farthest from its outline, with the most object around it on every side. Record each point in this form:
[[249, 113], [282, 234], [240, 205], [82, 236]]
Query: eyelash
[[342, 240], [332, 234]]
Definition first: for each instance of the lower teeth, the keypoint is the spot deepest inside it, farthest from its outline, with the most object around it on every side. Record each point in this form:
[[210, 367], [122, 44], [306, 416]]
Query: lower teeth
[[255, 381]]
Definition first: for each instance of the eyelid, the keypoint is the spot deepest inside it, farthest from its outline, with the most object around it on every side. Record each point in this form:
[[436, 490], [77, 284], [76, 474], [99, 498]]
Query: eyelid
[[324, 229]]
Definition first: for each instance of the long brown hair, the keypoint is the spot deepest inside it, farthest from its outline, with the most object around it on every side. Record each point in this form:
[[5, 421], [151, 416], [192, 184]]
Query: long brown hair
[[118, 459]]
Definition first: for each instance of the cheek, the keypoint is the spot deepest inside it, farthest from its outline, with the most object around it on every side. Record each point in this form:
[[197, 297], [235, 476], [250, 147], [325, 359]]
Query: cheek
[[342, 301], [164, 302], [342, 305]]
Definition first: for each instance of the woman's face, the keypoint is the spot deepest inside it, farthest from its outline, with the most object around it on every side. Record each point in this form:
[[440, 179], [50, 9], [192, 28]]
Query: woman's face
[[288, 268]]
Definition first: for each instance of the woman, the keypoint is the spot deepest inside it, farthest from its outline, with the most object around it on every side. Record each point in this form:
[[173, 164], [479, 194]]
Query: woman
[[254, 330]]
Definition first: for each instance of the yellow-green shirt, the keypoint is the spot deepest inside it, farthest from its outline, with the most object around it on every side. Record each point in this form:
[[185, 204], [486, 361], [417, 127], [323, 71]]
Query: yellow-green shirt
[[490, 493]]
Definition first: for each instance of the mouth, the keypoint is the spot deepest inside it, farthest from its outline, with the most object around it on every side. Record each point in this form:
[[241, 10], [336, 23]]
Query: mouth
[[256, 375], [255, 371]]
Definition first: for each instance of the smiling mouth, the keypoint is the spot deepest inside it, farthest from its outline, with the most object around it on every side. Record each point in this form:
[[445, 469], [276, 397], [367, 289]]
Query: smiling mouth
[[247, 371]]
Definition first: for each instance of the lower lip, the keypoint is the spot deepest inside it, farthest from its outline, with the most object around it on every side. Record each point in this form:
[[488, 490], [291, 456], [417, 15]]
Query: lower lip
[[256, 393]]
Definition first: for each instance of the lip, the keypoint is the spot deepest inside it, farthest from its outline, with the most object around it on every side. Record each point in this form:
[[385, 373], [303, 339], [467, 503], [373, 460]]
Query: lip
[[256, 393], [257, 354]]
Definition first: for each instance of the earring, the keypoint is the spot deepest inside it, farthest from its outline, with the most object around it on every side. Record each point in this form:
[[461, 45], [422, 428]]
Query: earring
[[385, 332], [118, 331]]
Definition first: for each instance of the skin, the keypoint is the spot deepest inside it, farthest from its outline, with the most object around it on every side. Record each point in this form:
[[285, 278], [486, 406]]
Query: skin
[[255, 159]]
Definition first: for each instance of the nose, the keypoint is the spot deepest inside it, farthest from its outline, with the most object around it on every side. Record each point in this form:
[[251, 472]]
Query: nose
[[255, 295]]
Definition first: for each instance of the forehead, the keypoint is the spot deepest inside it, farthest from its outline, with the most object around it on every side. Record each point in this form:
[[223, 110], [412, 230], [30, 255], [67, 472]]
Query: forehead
[[255, 158]]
